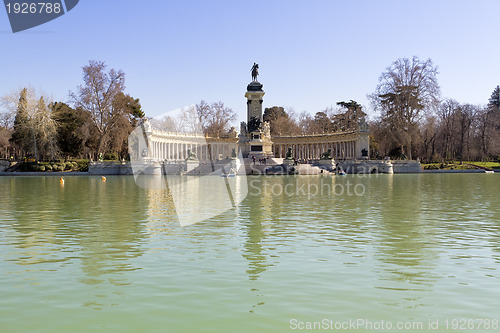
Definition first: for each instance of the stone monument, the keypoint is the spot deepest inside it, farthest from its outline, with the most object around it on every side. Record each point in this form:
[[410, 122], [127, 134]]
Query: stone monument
[[326, 161], [141, 160], [289, 160], [363, 146], [255, 136], [191, 162]]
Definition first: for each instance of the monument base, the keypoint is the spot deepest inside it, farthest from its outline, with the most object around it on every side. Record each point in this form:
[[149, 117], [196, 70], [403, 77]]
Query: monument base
[[328, 164], [191, 165], [258, 150]]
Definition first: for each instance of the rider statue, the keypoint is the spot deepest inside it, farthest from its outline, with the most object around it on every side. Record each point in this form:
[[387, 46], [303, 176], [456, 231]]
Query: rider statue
[[255, 71]]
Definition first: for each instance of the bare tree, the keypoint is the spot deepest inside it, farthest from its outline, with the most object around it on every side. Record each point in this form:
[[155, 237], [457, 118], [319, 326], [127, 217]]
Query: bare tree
[[5, 135], [96, 96], [7, 120], [45, 128], [445, 115], [305, 122], [429, 132], [215, 118], [166, 124], [34, 126], [407, 89], [464, 117], [190, 120]]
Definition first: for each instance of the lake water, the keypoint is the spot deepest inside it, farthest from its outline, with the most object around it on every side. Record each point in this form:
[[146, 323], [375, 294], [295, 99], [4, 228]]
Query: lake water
[[94, 256]]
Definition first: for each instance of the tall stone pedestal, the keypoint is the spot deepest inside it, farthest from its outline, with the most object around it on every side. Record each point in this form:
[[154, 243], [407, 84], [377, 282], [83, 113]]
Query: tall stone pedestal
[[190, 165], [328, 164], [255, 134]]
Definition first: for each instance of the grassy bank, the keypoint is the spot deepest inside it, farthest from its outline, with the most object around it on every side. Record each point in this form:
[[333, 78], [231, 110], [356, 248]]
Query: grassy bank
[[465, 165]]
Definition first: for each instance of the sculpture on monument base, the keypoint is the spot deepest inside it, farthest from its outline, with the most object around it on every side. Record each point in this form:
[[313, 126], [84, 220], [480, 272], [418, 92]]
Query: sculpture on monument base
[[243, 128], [146, 125], [326, 155], [326, 162], [255, 71], [267, 129], [363, 126], [191, 156], [254, 124]]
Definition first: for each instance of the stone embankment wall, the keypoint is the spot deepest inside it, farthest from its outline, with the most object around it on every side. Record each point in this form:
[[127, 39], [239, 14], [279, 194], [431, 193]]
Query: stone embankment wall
[[4, 165], [110, 168], [406, 166], [152, 168]]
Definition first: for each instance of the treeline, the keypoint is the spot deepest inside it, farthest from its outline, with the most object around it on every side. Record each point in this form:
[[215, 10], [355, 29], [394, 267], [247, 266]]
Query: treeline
[[344, 117], [96, 121], [213, 120], [454, 132], [97, 125], [411, 119], [414, 121]]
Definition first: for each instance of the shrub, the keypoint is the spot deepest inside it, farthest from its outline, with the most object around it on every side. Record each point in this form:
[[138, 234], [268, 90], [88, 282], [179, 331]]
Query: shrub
[[68, 166], [29, 166], [83, 166], [48, 167], [110, 157]]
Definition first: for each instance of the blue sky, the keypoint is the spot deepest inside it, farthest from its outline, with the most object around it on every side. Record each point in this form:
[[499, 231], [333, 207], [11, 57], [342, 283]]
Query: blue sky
[[311, 54]]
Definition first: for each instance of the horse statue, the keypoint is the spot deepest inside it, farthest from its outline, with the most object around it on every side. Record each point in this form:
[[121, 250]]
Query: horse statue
[[255, 71], [327, 155]]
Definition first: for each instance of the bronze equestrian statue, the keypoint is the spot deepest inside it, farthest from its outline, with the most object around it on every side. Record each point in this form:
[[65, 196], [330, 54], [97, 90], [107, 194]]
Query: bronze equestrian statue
[[255, 71]]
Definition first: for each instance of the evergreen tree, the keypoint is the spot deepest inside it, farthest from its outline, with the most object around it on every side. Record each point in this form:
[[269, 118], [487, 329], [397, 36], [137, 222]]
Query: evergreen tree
[[20, 134], [494, 113], [352, 116], [495, 98], [69, 124]]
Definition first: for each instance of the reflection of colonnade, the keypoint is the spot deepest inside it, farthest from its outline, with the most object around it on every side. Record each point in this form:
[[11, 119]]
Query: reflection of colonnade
[[174, 146], [343, 145]]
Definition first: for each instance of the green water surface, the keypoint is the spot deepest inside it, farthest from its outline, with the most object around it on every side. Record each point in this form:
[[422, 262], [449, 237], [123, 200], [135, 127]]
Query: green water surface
[[94, 256]]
